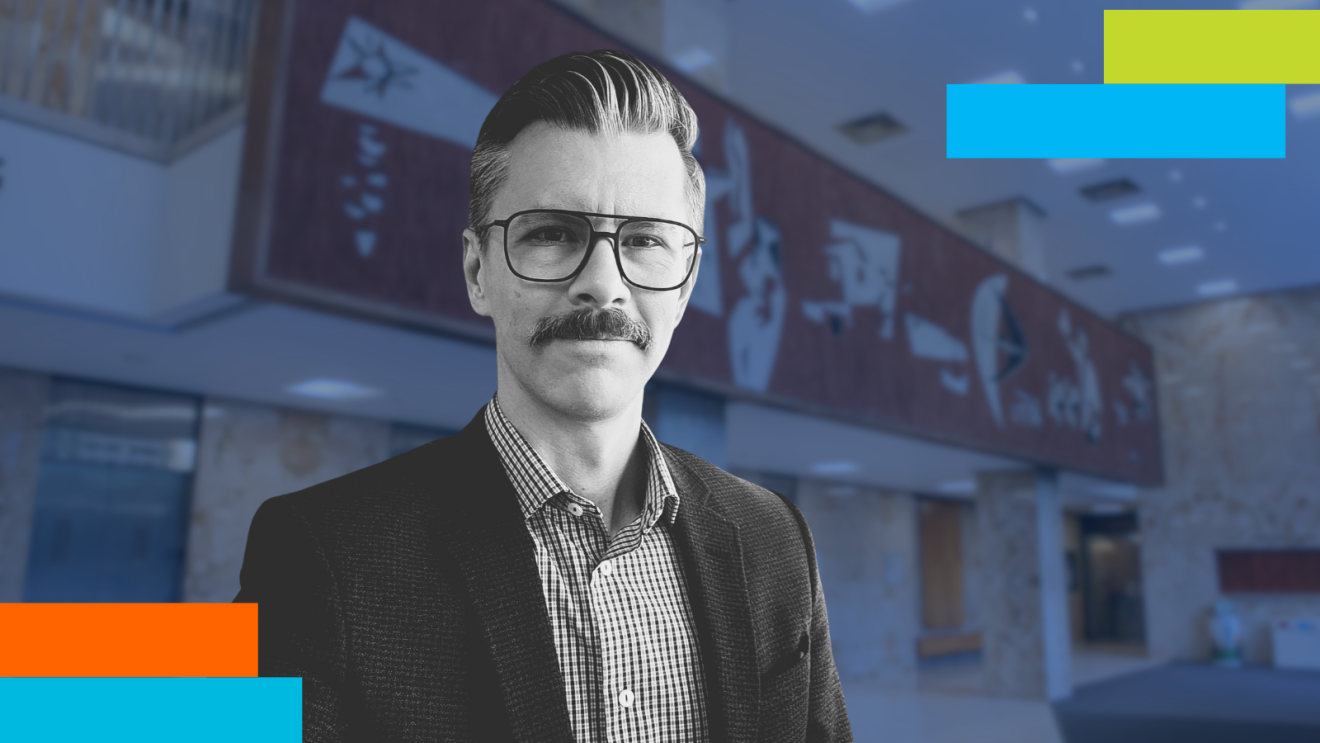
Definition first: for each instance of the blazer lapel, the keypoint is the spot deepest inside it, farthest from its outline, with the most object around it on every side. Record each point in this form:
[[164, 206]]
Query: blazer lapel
[[708, 545], [485, 536]]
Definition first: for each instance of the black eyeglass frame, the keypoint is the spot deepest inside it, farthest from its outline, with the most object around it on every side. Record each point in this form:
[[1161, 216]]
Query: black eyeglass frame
[[591, 244]]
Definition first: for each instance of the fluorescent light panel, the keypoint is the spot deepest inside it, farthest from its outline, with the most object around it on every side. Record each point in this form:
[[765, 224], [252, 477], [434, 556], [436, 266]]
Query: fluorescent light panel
[[1276, 4], [1306, 105], [1007, 77], [834, 468], [958, 486], [1066, 165], [1175, 256], [332, 389], [875, 6], [694, 59], [1135, 214], [1217, 288]]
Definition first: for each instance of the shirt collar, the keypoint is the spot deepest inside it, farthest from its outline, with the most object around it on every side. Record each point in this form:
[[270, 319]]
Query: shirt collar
[[536, 483]]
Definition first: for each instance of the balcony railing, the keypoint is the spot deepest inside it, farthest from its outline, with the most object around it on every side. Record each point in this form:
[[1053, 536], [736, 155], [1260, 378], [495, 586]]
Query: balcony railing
[[152, 72]]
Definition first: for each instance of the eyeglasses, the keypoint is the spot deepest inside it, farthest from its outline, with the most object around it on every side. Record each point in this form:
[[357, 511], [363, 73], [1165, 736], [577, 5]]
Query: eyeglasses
[[554, 245]]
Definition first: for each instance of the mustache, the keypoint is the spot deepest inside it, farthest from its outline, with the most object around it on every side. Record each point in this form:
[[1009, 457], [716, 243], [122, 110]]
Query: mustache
[[591, 324]]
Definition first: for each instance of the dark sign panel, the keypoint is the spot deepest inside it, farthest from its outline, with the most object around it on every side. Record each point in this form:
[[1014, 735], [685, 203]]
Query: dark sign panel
[[816, 289]]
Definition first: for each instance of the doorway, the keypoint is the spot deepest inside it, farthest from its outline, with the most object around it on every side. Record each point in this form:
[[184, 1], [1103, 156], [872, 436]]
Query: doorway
[[1113, 608]]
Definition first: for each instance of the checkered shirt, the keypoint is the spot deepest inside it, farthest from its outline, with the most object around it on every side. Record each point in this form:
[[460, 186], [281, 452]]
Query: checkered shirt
[[619, 609]]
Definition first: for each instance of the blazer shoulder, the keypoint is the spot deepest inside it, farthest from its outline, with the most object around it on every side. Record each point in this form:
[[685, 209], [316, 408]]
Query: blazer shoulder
[[753, 509], [405, 482]]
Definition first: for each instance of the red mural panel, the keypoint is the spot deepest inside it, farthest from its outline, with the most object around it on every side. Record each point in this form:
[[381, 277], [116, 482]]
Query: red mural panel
[[816, 289]]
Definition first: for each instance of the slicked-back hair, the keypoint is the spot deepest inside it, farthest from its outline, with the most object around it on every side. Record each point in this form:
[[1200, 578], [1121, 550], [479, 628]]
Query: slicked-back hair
[[602, 92]]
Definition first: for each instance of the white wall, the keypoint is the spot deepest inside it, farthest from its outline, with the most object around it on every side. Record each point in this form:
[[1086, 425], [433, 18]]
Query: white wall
[[87, 227]]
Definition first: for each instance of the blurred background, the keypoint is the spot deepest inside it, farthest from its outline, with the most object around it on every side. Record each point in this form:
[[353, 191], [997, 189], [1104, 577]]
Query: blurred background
[[1055, 424]]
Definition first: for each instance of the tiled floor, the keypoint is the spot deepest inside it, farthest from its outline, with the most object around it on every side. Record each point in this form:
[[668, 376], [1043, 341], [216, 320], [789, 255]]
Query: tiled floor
[[949, 706]]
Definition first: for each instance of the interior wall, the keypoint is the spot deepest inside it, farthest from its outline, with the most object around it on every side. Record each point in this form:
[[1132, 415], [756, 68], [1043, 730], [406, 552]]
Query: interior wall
[[866, 547], [1240, 412], [248, 453], [22, 411]]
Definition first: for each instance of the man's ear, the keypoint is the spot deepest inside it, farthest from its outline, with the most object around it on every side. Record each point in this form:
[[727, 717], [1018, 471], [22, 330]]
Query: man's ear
[[475, 273], [685, 292]]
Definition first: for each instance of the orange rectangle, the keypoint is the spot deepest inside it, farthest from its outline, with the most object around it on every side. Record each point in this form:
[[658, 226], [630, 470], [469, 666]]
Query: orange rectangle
[[128, 640]]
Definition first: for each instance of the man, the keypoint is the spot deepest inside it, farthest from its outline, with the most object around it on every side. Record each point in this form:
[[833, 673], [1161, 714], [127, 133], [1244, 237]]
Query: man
[[552, 573]]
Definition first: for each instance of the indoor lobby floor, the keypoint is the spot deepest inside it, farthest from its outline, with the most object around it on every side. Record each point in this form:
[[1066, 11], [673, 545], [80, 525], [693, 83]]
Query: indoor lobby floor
[[949, 707]]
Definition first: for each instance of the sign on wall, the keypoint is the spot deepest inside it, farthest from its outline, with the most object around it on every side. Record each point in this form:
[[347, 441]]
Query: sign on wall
[[816, 289]]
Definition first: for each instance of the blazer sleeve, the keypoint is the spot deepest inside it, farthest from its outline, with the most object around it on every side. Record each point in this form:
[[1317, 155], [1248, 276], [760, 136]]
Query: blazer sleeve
[[827, 715], [287, 573]]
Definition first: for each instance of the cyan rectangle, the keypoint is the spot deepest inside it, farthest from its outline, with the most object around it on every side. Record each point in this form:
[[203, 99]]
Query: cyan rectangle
[[147, 710], [1116, 121]]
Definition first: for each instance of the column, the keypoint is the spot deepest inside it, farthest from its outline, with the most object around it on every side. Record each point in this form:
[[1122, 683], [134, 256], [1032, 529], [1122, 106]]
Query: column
[[22, 414], [1024, 593], [866, 552]]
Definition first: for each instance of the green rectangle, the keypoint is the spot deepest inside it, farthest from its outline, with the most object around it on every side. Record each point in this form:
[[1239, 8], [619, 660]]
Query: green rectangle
[[1212, 47]]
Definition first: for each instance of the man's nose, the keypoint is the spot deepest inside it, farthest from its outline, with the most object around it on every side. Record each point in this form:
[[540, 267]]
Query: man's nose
[[600, 283]]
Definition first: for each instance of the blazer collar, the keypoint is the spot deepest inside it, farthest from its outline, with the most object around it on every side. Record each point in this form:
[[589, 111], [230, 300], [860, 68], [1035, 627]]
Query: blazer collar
[[483, 532]]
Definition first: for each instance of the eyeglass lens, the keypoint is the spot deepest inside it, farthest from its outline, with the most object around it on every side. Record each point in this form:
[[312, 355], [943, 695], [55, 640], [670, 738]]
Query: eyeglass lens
[[550, 246]]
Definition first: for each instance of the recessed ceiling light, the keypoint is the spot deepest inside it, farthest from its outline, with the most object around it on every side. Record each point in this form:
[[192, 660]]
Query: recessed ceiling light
[[1217, 288], [1199, 202], [1077, 66], [1175, 176], [1089, 272], [872, 128], [332, 389], [1174, 256], [1007, 77], [1066, 165], [1030, 15], [1135, 214], [694, 59], [1306, 105], [1221, 226], [958, 486], [834, 468], [1115, 189]]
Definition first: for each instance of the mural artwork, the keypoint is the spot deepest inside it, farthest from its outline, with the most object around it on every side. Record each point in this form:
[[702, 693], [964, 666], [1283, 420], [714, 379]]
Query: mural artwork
[[815, 289]]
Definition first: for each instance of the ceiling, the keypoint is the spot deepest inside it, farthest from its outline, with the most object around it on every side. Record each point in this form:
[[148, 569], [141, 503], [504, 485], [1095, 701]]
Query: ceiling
[[808, 66]]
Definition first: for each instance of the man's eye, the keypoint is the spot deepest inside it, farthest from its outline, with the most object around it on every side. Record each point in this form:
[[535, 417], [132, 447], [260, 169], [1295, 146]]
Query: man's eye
[[552, 235], [644, 241]]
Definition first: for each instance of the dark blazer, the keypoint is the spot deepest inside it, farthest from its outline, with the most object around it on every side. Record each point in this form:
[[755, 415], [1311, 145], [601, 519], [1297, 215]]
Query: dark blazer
[[407, 598]]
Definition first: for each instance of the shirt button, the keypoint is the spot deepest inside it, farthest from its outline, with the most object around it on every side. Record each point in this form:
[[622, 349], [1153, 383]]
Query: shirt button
[[607, 569], [575, 509], [626, 698]]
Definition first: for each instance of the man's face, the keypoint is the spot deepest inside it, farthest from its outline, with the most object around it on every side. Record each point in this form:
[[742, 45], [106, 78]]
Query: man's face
[[551, 168]]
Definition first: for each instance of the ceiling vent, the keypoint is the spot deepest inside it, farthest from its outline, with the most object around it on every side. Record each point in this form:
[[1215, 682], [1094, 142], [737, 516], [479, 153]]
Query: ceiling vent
[[872, 128], [1110, 190], [1089, 272]]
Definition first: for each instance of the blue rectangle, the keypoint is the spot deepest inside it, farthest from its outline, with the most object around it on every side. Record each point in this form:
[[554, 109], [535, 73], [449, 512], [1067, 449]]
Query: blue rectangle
[[147, 710], [1116, 121]]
